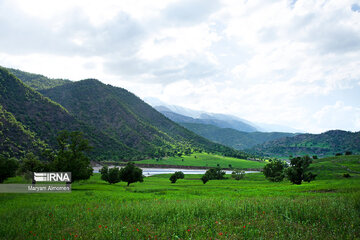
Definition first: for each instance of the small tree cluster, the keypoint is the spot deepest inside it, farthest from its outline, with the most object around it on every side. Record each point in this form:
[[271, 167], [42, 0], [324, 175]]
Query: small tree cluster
[[8, 167], [274, 170], [238, 174], [130, 174], [212, 174], [177, 175]]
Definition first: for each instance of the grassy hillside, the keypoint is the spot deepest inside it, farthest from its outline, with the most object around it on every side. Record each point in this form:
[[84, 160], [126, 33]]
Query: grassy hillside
[[324, 144], [126, 118], [45, 118], [206, 160], [15, 138], [37, 81], [252, 208], [233, 138]]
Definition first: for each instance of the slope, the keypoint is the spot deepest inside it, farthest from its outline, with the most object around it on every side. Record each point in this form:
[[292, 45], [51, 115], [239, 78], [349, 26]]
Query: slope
[[46, 118], [125, 117], [324, 144], [233, 138]]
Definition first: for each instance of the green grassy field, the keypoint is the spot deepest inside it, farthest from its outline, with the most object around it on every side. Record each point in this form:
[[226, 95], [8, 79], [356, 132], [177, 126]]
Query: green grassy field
[[206, 160], [252, 208]]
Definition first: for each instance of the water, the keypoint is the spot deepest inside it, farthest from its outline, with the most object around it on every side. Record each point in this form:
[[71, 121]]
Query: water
[[156, 171]]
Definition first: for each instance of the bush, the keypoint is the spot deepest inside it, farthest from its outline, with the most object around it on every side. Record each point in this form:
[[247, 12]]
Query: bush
[[274, 171], [173, 178], [8, 167], [179, 175], [348, 153], [315, 157], [111, 175], [346, 175], [204, 179], [215, 173], [238, 174]]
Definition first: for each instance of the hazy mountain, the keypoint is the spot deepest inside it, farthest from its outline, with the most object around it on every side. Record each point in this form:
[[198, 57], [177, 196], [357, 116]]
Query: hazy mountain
[[233, 138], [327, 143]]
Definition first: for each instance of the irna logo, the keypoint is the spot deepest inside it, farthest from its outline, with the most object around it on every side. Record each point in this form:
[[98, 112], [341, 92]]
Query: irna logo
[[52, 176]]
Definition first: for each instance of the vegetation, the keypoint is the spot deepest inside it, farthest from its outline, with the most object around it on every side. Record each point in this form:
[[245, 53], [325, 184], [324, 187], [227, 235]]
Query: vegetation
[[238, 174], [177, 175], [8, 167], [111, 175], [274, 170], [131, 174], [324, 209], [325, 144], [297, 172], [234, 138], [215, 174]]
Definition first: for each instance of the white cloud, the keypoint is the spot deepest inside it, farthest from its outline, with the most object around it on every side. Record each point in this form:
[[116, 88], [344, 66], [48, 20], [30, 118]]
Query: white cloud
[[276, 61]]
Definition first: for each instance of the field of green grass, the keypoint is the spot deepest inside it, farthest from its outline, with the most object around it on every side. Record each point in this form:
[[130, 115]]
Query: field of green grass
[[252, 208], [206, 160]]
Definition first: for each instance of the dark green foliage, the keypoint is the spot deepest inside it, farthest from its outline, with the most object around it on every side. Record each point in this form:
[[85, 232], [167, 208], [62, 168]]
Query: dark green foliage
[[37, 81], [348, 153], [204, 179], [297, 172], [131, 174], [234, 138], [327, 143], [346, 175], [338, 154], [8, 167], [72, 155], [111, 175], [31, 163], [238, 174], [315, 157], [173, 178], [179, 175], [215, 174], [274, 171]]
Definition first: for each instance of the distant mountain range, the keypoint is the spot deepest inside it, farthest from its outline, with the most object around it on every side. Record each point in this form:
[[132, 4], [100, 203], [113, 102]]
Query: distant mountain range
[[327, 143], [118, 124]]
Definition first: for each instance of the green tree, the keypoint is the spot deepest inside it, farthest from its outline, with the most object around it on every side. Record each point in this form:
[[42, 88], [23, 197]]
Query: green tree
[[111, 175], [8, 167], [179, 175], [215, 173], [72, 155], [173, 178], [274, 171], [297, 172], [204, 179], [131, 174], [238, 174]]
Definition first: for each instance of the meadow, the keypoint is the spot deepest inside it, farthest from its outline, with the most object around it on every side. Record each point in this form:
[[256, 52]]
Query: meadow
[[251, 208], [206, 160]]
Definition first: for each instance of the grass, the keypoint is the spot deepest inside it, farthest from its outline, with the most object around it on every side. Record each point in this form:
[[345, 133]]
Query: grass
[[206, 160], [252, 208]]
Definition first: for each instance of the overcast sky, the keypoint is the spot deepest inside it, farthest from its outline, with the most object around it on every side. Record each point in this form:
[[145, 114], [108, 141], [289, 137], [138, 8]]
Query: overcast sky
[[295, 63]]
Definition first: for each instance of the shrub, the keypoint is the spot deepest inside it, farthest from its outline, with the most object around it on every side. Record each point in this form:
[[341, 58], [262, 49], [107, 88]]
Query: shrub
[[204, 179], [173, 178], [346, 175], [238, 174], [179, 175]]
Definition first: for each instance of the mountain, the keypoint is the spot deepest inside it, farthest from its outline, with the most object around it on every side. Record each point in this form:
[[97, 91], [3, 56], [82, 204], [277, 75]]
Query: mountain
[[15, 138], [327, 143], [218, 120], [37, 81], [233, 138], [43, 118], [126, 118]]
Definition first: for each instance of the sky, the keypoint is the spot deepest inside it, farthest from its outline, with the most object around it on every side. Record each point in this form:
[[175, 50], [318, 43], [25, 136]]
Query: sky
[[289, 62]]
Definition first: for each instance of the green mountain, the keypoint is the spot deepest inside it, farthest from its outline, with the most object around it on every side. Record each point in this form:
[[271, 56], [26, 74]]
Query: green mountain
[[37, 81], [44, 119], [15, 138], [324, 144], [233, 138], [126, 118]]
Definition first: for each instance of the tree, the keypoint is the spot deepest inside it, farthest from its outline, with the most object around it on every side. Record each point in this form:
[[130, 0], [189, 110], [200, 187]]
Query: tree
[[215, 173], [131, 174], [72, 155], [274, 171], [204, 179], [297, 172], [238, 174], [111, 175], [173, 178], [8, 167]]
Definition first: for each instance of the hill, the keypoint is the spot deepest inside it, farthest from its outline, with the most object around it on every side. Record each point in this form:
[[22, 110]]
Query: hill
[[324, 144], [233, 138], [37, 81], [44, 118], [126, 118]]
